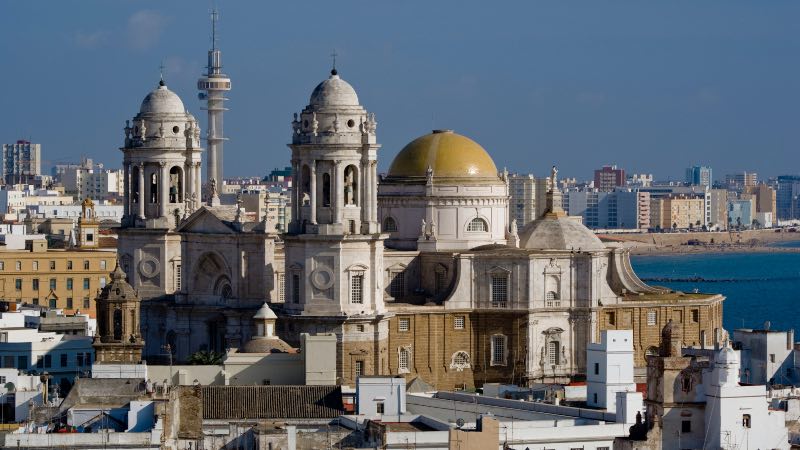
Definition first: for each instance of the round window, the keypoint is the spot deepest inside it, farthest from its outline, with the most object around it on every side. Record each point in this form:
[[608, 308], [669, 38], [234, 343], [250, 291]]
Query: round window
[[351, 123], [175, 129]]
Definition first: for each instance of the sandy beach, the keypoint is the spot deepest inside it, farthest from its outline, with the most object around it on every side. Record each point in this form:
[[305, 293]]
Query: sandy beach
[[755, 241]]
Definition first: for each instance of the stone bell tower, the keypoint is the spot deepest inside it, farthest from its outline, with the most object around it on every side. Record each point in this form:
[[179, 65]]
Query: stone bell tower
[[162, 185], [118, 338], [334, 248]]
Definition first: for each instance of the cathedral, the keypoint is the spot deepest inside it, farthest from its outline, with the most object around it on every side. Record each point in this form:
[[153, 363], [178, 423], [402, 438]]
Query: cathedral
[[418, 272]]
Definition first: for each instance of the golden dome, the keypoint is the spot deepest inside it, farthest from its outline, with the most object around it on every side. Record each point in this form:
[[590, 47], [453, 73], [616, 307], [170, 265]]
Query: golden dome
[[448, 154]]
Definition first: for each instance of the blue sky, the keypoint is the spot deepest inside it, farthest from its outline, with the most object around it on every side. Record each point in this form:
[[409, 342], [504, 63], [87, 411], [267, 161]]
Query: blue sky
[[651, 86]]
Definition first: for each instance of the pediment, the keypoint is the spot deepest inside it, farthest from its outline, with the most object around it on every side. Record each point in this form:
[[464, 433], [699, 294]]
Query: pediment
[[205, 222]]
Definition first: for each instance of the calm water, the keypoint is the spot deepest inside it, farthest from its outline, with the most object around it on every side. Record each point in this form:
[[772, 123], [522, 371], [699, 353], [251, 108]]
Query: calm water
[[758, 286]]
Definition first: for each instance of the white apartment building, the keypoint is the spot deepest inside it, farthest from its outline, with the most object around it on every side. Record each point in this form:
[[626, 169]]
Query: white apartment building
[[96, 183], [25, 348], [609, 369], [16, 199], [104, 212]]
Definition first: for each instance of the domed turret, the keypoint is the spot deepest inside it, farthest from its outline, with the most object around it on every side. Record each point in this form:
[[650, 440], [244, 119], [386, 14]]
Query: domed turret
[[334, 92], [726, 367], [265, 340], [162, 101]]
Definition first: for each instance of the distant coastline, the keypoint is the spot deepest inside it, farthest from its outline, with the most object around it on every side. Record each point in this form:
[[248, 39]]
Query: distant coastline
[[748, 241]]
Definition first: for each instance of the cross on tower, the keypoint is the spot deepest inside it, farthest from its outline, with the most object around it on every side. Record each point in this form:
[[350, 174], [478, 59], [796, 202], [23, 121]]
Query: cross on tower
[[334, 55], [161, 70]]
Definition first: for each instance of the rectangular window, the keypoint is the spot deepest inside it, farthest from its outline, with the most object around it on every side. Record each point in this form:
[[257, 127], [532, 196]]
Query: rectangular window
[[64, 360], [48, 361], [403, 360], [18, 265], [611, 318], [35, 301], [86, 303], [499, 291], [746, 420], [397, 285], [102, 282], [281, 287], [103, 264], [403, 324], [40, 362], [498, 350], [86, 284], [52, 265], [358, 368], [296, 288], [52, 283], [360, 328], [553, 354], [379, 407], [772, 358], [686, 426], [69, 284], [8, 362], [2, 265], [69, 265], [36, 265], [597, 368], [35, 284], [651, 318], [53, 304], [458, 322], [22, 362], [18, 284], [695, 315], [178, 275], [357, 288], [85, 265], [69, 302]]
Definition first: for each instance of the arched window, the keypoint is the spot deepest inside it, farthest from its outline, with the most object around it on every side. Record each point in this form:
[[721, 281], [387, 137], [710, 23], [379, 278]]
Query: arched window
[[552, 299], [134, 177], [403, 358], [478, 224], [117, 324], [305, 185], [350, 188], [389, 225], [460, 361], [175, 185], [326, 189]]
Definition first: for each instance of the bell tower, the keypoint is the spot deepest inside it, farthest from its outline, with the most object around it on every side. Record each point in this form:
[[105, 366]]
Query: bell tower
[[118, 338], [334, 248]]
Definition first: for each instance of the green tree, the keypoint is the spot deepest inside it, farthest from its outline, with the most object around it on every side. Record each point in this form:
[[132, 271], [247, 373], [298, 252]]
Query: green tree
[[205, 358]]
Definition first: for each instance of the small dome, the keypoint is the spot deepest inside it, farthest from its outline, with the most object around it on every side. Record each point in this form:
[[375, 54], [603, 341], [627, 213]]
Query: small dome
[[162, 100], [265, 313], [448, 154], [334, 92], [266, 345], [559, 233]]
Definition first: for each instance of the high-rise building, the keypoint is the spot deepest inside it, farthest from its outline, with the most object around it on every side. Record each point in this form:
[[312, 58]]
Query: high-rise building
[[739, 181], [719, 209], [764, 197], [621, 208], [21, 162], [609, 177], [522, 188], [787, 204], [699, 176], [677, 212]]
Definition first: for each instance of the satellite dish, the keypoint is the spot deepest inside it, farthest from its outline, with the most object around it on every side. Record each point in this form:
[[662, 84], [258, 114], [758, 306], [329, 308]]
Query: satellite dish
[[460, 422], [767, 324]]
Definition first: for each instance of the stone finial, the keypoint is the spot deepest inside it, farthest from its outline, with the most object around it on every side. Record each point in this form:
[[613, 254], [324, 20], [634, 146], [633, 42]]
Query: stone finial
[[296, 125], [336, 123], [314, 123]]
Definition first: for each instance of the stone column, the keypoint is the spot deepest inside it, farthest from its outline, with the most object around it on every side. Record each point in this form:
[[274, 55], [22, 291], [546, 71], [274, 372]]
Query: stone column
[[163, 186], [182, 190], [198, 183], [363, 200], [126, 182], [313, 192], [141, 190], [296, 192], [373, 189], [339, 190], [188, 169]]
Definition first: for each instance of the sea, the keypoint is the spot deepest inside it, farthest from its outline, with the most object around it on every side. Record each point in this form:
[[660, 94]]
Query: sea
[[760, 287]]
